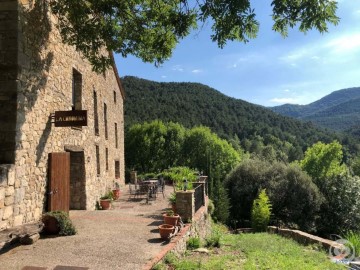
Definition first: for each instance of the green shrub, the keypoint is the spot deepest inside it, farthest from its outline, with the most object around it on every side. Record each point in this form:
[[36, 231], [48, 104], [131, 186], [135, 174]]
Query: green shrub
[[260, 212], [213, 240], [211, 207], [178, 174], [170, 258], [172, 198], [107, 196], [193, 243], [64, 222], [295, 199]]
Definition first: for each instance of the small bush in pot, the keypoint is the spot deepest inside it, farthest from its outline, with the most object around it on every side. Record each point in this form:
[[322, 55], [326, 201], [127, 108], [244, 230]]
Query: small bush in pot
[[116, 191], [58, 222], [171, 218], [105, 200], [172, 201], [166, 230]]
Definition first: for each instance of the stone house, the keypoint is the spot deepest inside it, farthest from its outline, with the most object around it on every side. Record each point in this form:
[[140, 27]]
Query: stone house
[[42, 164]]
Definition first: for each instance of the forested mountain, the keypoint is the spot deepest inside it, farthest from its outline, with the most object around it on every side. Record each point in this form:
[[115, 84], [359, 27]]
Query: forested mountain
[[192, 104], [339, 110]]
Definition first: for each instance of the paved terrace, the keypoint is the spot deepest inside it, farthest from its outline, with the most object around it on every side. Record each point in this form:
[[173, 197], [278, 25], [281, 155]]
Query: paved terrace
[[125, 237]]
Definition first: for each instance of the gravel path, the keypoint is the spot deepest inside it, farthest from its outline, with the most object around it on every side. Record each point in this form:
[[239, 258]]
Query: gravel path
[[125, 237]]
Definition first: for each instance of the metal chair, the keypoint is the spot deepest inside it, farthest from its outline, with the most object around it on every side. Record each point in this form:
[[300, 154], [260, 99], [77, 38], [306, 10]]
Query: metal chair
[[160, 186], [134, 190]]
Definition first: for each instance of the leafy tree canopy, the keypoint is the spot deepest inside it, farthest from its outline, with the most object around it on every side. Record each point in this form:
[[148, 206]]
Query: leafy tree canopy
[[324, 160], [151, 29]]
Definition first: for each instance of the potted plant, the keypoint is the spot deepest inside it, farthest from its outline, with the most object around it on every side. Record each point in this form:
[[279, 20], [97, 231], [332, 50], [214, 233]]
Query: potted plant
[[166, 230], [172, 201], [171, 218], [105, 200], [58, 222], [116, 191]]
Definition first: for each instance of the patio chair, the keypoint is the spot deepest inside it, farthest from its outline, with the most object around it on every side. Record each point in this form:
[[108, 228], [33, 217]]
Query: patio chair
[[134, 190], [160, 186]]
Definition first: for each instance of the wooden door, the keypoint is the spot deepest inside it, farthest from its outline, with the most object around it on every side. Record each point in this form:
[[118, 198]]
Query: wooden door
[[59, 182]]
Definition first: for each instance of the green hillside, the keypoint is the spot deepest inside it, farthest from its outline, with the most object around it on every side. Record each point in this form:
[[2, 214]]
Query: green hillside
[[192, 104], [338, 111]]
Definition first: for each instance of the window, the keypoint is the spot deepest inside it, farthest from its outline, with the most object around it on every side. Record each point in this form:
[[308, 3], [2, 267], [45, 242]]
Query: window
[[76, 90], [96, 115], [105, 121], [107, 159], [116, 136], [117, 169], [97, 160], [115, 97]]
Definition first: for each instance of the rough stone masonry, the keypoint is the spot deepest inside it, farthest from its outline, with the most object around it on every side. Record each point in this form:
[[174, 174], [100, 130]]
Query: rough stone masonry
[[38, 76]]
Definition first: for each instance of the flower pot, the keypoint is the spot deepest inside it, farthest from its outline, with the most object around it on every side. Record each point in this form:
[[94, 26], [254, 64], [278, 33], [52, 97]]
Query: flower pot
[[165, 230], [105, 204], [116, 194], [51, 225], [172, 220]]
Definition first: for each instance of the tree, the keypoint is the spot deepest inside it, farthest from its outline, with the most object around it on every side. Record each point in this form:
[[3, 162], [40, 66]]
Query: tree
[[154, 146], [295, 199], [221, 202], [340, 211], [323, 160], [151, 29], [260, 212]]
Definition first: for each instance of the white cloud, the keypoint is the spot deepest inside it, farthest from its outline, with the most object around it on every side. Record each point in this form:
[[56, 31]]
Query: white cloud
[[345, 44], [178, 68], [283, 100], [196, 71], [163, 76], [286, 90], [315, 57]]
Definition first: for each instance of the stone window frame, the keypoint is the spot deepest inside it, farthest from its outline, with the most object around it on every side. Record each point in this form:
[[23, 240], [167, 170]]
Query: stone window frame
[[76, 93], [105, 122], [76, 90], [117, 169], [116, 136], [106, 159], [96, 114], [97, 156]]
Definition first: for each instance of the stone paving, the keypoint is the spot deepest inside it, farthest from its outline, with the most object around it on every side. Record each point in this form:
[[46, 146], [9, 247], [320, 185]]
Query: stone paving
[[125, 237]]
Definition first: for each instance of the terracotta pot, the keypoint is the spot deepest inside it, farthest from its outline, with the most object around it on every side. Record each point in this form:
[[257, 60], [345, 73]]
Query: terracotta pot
[[105, 204], [172, 220], [51, 225], [116, 194], [165, 230]]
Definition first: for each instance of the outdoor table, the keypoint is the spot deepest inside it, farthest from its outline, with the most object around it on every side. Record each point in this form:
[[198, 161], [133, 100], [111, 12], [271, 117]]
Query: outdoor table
[[151, 185]]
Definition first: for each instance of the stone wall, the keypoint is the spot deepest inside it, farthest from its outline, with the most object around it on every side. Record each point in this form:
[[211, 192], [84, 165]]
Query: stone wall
[[44, 80], [199, 227], [305, 238], [8, 79], [185, 204]]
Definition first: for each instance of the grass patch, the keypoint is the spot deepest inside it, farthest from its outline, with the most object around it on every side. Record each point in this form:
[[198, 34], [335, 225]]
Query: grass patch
[[266, 251], [255, 252], [354, 239]]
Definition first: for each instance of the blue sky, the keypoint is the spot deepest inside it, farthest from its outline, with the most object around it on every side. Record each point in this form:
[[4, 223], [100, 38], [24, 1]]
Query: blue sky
[[269, 70]]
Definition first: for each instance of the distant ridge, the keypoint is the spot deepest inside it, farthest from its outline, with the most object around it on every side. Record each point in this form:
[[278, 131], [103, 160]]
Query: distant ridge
[[193, 104], [339, 110]]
